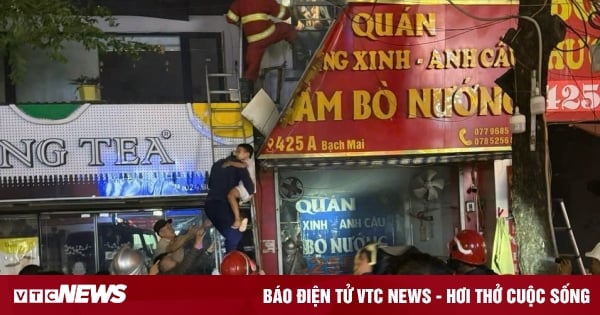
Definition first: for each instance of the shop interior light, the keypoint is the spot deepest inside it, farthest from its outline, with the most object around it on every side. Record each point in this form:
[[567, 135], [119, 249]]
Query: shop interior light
[[157, 213]]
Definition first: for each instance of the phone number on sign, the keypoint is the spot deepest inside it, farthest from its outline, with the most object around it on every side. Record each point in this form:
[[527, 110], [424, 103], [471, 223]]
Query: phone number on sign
[[495, 131], [492, 136], [493, 141], [486, 136]]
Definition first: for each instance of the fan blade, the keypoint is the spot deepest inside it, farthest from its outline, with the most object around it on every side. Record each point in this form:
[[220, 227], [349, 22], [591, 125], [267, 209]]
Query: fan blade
[[420, 181], [438, 183], [420, 192], [433, 194], [431, 174]]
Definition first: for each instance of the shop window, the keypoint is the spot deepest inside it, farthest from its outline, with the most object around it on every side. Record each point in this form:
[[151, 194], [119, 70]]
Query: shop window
[[19, 243], [152, 79], [183, 219], [137, 242], [327, 215], [67, 243], [150, 241], [68, 240]]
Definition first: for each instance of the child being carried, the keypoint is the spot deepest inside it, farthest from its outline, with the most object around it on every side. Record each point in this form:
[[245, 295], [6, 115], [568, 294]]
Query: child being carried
[[239, 195]]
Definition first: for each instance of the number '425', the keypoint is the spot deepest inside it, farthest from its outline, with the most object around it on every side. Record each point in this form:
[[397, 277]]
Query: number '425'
[[573, 97]]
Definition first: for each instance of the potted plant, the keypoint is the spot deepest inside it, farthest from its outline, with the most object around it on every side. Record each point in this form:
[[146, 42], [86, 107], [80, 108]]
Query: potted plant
[[88, 88]]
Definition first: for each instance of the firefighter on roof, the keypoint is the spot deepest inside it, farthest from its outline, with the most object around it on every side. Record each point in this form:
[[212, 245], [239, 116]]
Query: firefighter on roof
[[260, 31]]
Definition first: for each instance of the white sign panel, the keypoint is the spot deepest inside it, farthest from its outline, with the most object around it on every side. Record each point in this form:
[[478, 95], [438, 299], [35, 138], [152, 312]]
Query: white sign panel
[[117, 150]]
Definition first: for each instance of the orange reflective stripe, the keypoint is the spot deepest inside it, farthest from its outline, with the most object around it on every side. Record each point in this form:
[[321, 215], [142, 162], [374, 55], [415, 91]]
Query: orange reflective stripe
[[232, 16], [255, 17], [282, 11], [262, 35]]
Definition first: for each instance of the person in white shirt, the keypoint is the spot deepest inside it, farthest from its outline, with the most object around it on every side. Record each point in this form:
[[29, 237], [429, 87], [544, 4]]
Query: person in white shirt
[[239, 195], [169, 242]]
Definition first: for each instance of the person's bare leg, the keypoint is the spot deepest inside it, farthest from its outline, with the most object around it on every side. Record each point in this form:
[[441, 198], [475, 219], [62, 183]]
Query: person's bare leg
[[244, 224], [232, 198]]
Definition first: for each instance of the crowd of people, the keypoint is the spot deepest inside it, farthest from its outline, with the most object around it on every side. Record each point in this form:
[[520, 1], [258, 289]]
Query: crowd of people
[[467, 254], [231, 183]]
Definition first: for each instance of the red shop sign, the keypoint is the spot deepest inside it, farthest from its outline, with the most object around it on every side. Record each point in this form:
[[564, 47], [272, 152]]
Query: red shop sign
[[398, 79], [573, 93]]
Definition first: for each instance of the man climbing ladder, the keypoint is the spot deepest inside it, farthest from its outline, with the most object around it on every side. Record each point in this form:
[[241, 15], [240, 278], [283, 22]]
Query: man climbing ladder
[[260, 31]]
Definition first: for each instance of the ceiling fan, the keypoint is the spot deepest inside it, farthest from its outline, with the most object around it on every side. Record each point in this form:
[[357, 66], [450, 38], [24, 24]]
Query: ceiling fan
[[427, 186]]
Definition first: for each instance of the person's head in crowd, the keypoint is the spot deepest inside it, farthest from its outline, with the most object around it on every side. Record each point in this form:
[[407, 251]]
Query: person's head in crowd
[[594, 255], [167, 264], [79, 268], [244, 151], [468, 253], [30, 270], [237, 263], [468, 246], [128, 261], [364, 259], [164, 229]]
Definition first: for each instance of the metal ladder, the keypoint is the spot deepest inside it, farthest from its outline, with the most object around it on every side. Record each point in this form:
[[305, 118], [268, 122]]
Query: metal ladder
[[569, 230], [218, 144], [252, 228]]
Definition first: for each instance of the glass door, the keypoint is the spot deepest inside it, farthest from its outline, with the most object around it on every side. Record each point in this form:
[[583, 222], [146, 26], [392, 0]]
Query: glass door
[[67, 243]]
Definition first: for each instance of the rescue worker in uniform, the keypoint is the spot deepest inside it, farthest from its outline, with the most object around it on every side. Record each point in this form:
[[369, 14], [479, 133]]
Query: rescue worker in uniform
[[221, 181], [260, 32], [468, 254]]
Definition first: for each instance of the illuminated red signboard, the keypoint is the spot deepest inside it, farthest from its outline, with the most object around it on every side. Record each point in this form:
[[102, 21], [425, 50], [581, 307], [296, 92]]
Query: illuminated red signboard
[[573, 74], [399, 79]]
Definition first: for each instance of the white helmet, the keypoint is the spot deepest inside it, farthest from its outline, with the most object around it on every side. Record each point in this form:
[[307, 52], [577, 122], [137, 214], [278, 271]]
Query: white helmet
[[595, 253]]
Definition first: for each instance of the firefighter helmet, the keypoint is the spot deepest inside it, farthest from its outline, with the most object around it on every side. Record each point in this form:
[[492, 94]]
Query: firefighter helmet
[[468, 246], [237, 263]]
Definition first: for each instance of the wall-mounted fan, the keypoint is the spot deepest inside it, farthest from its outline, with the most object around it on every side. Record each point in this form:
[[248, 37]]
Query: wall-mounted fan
[[291, 189], [427, 186]]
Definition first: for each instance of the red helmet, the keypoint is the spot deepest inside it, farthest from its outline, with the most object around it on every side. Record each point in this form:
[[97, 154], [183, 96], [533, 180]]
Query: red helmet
[[468, 246], [236, 263]]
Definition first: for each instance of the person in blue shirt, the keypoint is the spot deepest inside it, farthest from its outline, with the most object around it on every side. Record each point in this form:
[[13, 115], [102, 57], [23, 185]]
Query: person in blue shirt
[[221, 181]]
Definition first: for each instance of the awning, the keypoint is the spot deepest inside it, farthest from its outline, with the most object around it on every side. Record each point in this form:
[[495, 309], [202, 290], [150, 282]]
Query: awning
[[387, 161], [83, 204], [593, 129]]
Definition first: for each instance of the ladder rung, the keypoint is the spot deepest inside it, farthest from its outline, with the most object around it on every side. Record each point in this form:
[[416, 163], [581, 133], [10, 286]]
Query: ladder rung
[[223, 91], [562, 228], [568, 255], [219, 75], [569, 229], [228, 127], [218, 145], [237, 109]]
